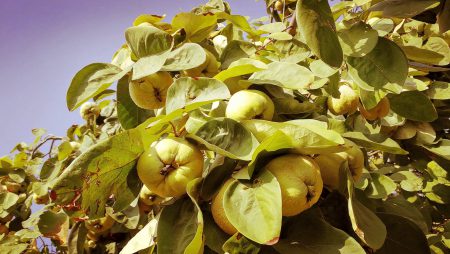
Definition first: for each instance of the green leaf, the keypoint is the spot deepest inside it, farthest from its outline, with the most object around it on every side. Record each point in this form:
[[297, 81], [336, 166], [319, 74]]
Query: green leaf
[[193, 191], [308, 233], [436, 171], [382, 25], [278, 141], [196, 27], [290, 105], [375, 142], [403, 8], [369, 228], [238, 21], [236, 50], [227, 137], [316, 24], [238, 244], [221, 170], [9, 245], [258, 201], [284, 74], [403, 236], [280, 36], [435, 51], [272, 27], [308, 136], [241, 67], [422, 55], [321, 69], [146, 40], [196, 119], [380, 186], [188, 56], [441, 149], [189, 91], [437, 192], [385, 66], [358, 40], [408, 181], [400, 206], [142, 240], [177, 226], [77, 237], [50, 222], [129, 114], [90, 81], [439, 90], [7, 200], [51, 169], [107, 168], [413, 105], [214, 236], [64, 150], [148, 65], [370, 99], [148, 18]]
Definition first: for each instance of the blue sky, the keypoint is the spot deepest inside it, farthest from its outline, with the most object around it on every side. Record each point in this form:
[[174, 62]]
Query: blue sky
[[45, 42]]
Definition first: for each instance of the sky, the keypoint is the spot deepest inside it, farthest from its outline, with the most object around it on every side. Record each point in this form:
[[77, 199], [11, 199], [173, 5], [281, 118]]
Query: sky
[[43, 43]]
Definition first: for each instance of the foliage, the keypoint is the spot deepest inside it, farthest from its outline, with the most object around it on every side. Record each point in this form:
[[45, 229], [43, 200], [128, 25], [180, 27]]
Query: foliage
[[394, 198]]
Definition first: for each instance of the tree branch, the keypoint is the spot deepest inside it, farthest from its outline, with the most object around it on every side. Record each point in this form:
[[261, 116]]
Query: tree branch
[[292, 29]]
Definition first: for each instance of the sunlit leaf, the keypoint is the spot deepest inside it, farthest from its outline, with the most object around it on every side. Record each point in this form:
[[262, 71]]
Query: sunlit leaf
[[106, 169], [385, 66], [413, 105], [258, 201], [316, 24], [90, 81], [284, 74], [189, 91], [227, 137]]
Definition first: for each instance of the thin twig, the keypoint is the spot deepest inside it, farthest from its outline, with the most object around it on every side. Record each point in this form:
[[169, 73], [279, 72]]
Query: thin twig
[[53, 138], [174, 128]]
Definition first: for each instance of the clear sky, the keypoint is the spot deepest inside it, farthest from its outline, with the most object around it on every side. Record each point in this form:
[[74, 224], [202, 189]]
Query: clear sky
[[43, 43]]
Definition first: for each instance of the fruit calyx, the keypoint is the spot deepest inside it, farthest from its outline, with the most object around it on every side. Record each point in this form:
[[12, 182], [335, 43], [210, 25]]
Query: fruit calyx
[[167, 169]]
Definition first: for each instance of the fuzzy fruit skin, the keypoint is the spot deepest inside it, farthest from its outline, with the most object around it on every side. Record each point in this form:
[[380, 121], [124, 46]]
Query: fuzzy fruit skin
[[89, 109], [150, 92], [168, 166], [209, 68], [300, 182], [249, 104], [379, 111], [149, 198], [100, 225], [330, 163], [347, 103], [278, 5], [218, 211]]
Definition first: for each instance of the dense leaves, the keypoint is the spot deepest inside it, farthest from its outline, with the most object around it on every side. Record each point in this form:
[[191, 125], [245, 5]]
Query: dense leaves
[[356, 94]]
